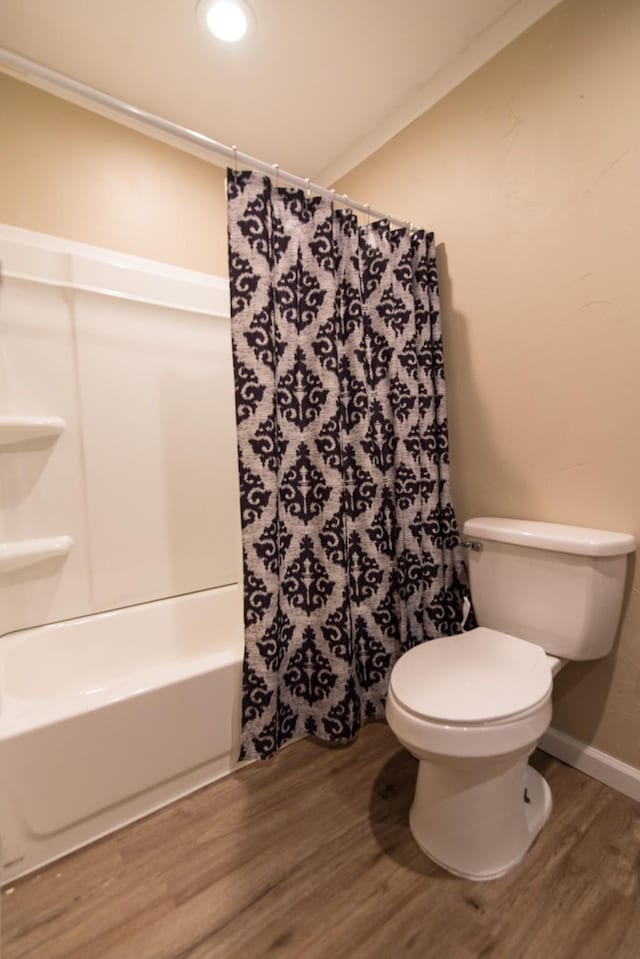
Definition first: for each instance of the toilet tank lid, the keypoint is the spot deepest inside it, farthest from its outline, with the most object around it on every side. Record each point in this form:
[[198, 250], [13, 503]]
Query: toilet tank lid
[[578, 540]]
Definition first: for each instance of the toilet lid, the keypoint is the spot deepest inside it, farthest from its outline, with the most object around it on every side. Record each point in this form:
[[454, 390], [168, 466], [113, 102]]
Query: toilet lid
[[475, 677]]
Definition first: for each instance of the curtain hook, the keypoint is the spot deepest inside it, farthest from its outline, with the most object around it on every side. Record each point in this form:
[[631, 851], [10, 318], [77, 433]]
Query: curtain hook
[[307, 180], [276, 167], [368, 207], [235, 158]]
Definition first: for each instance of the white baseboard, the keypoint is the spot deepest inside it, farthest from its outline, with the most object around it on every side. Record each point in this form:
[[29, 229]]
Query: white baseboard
[[601, 766]]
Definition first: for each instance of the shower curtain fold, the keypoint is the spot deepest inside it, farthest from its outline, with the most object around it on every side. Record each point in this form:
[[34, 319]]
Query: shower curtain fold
[[350, 546]]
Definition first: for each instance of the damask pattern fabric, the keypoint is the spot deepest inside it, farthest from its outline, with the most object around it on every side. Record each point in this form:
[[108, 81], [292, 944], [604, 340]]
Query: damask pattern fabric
[[351, 550]]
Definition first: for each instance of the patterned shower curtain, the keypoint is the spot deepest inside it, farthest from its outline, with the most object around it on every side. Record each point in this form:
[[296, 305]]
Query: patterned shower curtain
[[351, 550]]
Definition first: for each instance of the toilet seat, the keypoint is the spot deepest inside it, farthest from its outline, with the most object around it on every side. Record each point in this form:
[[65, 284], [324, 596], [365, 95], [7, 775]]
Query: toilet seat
[[479, 678]]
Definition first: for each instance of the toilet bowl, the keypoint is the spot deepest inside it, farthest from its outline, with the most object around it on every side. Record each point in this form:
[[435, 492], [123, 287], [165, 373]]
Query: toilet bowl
[[472, 707]]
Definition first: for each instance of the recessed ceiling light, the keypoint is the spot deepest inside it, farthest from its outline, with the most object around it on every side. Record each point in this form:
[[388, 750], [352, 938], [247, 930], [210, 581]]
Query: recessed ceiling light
[[227, 19]]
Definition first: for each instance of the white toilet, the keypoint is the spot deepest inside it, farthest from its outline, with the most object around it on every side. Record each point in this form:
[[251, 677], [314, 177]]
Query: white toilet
[[472, 707]]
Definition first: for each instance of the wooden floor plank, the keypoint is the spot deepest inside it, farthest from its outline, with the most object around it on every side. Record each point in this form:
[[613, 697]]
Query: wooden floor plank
[[309, 855]]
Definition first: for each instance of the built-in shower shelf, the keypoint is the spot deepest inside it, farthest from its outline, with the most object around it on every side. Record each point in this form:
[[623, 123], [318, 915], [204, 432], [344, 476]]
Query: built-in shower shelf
[[17, 429], [26, 552]]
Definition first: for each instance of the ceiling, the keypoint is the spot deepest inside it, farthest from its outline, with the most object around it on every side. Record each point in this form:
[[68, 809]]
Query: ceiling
[[316, 85]]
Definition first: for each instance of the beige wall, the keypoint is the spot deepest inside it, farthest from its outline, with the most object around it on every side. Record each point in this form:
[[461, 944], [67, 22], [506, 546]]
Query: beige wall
[[66, 171], [529, 173]]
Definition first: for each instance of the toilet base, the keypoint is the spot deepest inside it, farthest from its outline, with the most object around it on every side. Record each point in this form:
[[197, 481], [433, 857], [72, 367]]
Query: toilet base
[[474, 819]]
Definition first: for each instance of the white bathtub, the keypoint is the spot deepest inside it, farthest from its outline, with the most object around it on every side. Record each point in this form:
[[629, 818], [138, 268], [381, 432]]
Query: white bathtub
[[106, 718]]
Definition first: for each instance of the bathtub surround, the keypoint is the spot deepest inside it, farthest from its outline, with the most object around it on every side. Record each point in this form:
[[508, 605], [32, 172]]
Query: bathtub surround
[[351, 550], [529, 171], [135, 358], [120, 655]]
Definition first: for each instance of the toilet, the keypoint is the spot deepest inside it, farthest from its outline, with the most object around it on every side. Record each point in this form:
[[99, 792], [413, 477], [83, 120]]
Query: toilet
[[472, 707]]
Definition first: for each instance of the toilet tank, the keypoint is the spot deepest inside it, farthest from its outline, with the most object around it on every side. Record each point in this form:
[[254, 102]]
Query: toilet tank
[[558, 586]]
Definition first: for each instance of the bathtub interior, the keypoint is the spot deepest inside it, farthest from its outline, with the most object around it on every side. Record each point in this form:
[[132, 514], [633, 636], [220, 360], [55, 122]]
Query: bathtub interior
[[121, 629], [72, 664], [80, 765]]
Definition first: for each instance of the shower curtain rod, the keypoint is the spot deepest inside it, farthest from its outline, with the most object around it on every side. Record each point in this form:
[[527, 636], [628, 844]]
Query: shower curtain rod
[[29, 68]]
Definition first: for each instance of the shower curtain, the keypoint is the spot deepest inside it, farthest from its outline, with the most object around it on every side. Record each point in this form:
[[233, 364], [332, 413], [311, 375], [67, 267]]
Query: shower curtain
[[350, 545]]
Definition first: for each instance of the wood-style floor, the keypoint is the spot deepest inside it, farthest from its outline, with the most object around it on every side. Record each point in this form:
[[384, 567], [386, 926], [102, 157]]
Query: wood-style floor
[[309, 856]]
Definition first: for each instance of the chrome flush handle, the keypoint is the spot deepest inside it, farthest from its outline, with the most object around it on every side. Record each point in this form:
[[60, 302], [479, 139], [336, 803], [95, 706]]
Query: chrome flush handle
[[472, 544]]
